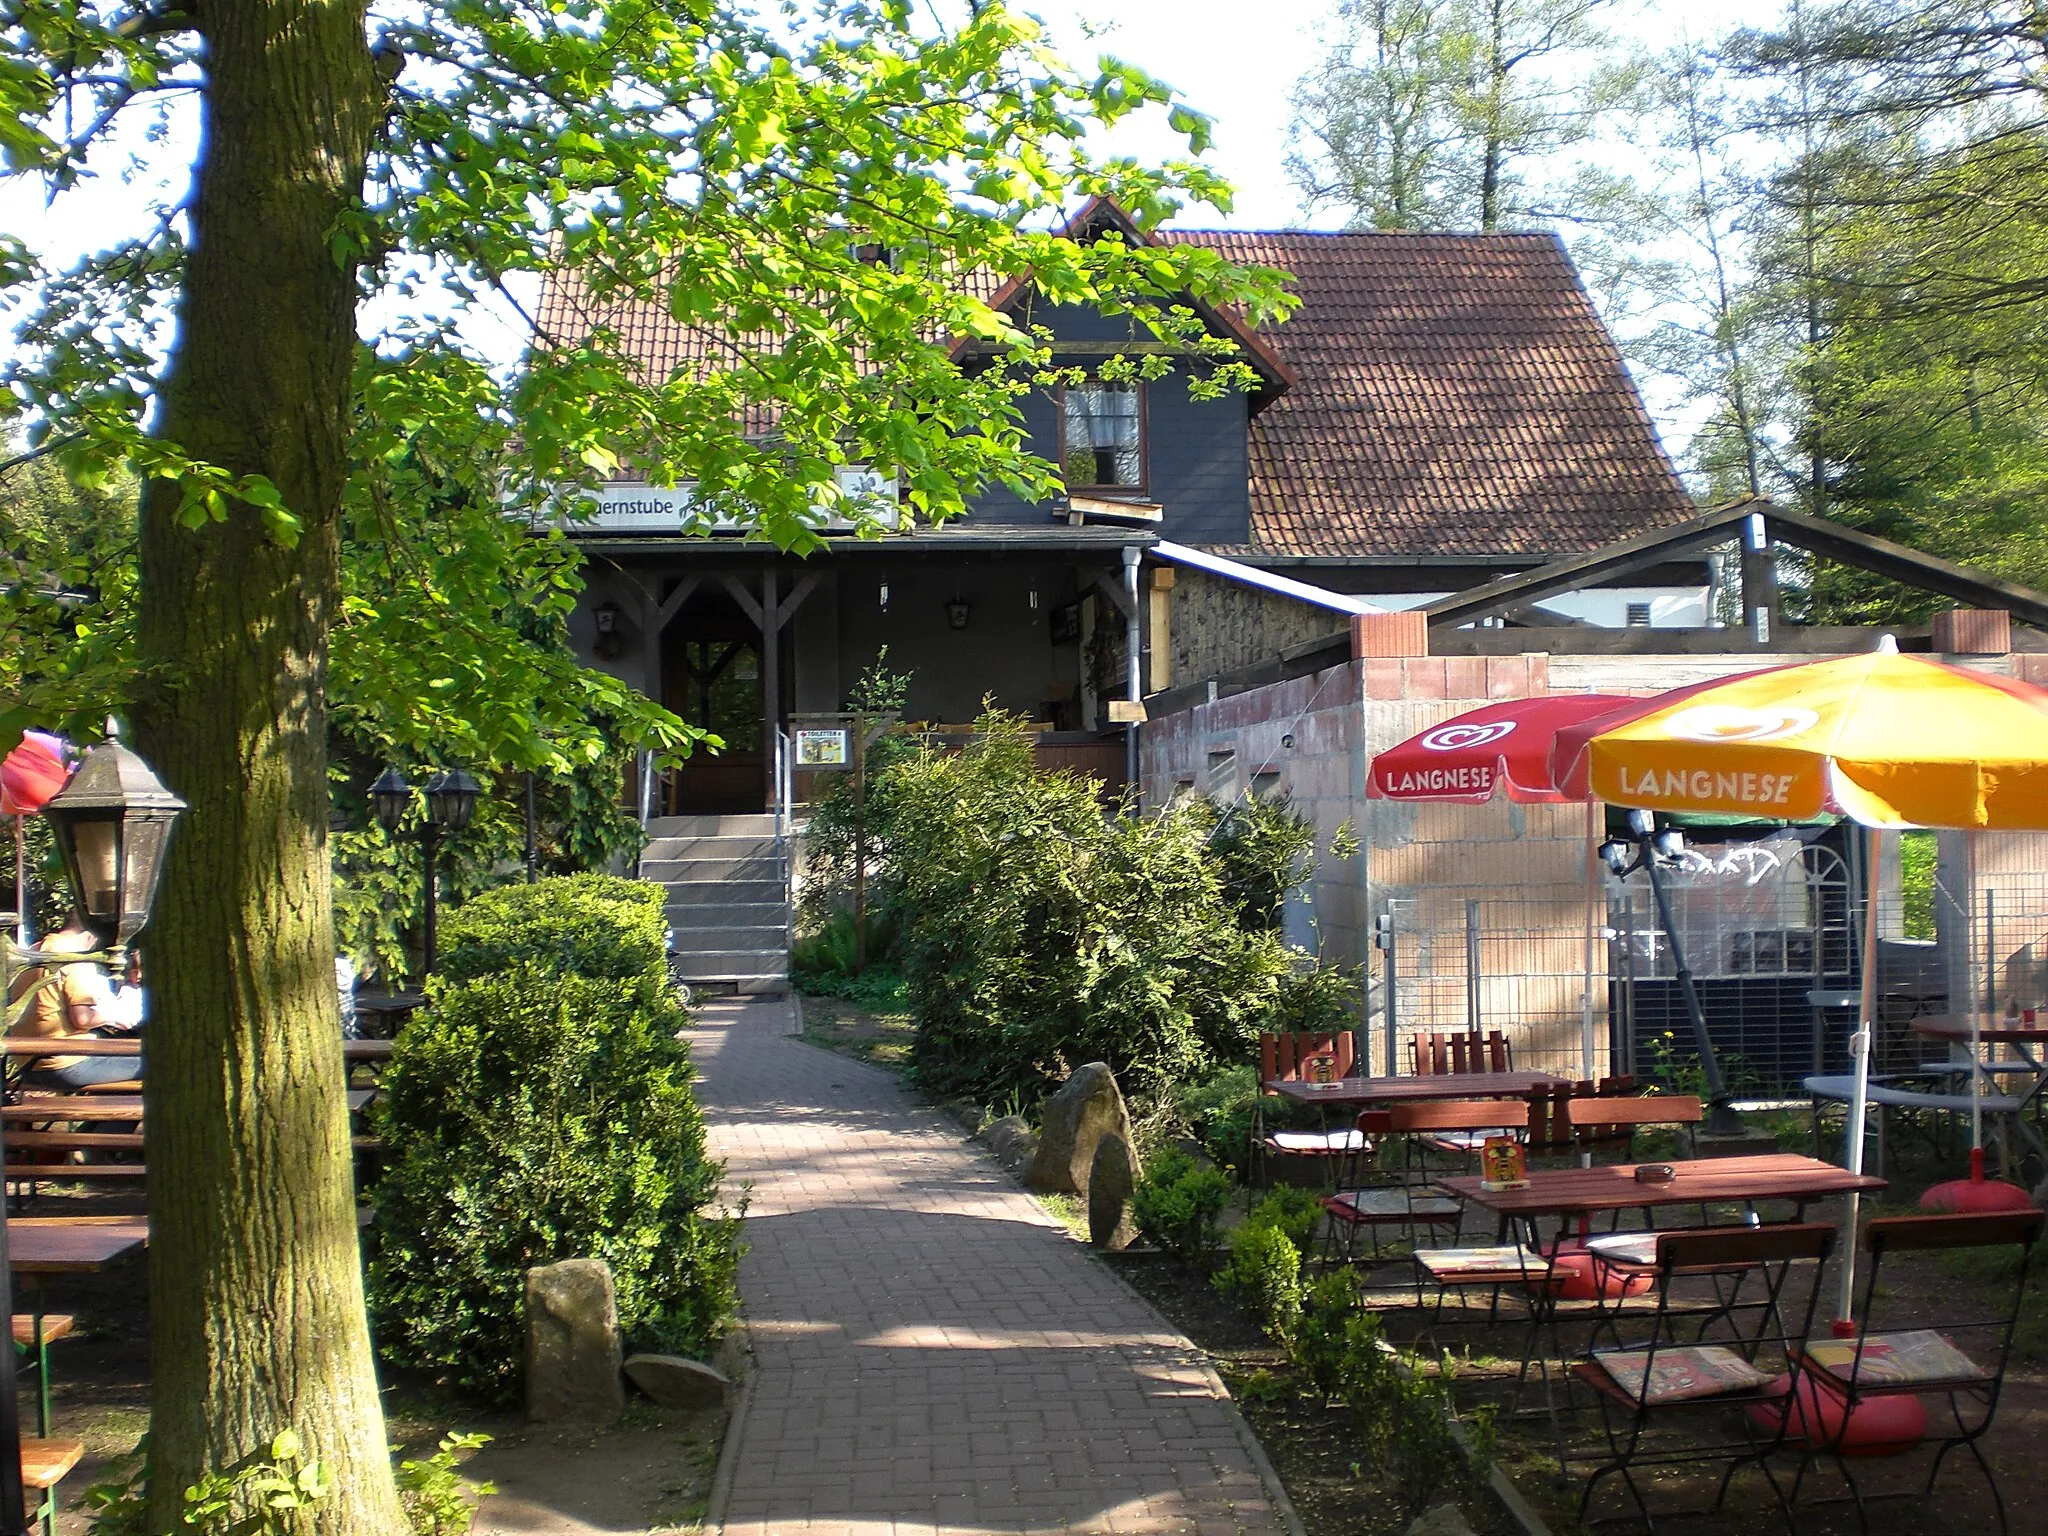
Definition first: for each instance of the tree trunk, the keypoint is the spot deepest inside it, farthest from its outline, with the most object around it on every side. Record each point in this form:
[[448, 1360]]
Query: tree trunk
[[256, 1296]]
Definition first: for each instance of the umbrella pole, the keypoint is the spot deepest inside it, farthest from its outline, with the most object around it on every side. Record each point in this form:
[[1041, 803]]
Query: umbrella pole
[[1592, 924], [1859, 1097], [1977, 1039]]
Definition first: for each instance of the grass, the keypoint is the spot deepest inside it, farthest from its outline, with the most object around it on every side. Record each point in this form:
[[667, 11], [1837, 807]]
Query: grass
[[881, 1040]]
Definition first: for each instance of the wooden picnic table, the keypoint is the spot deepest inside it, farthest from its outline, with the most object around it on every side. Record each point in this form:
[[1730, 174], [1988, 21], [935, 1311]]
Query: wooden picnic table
[[39, 1107], [1955, 1028], [131, 1045], [67, 1247], [1614, 1187], [1408, 1090]]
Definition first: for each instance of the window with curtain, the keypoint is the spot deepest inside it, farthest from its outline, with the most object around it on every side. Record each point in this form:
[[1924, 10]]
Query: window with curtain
[[1103, 436]]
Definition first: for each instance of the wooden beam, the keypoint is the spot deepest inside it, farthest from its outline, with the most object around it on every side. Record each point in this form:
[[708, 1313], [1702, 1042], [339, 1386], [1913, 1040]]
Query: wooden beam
[[743, 597], [1576, 571], [1114, 593], [1930, 573], [771, 682], [1642, 640], [672, 605], [795, 600]]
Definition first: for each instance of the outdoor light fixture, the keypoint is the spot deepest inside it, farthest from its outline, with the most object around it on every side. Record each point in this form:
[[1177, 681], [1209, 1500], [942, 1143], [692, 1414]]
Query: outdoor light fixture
[[1615, 854], [956, 613], [112, 824], [451, 800], [883, 594], [389, 797], [1641, 823], [611, 636], [1669, 843], [451, 797]]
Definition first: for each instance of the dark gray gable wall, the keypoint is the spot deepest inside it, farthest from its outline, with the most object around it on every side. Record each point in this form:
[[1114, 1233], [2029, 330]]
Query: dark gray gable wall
[[1198, 468]]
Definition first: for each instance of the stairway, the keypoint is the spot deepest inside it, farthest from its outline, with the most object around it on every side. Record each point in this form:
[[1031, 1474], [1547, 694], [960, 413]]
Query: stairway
[[726, 900]]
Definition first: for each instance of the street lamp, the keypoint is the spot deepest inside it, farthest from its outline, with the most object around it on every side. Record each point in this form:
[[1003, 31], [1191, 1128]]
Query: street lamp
[[451, 797], [1649, 849], [113, 825]]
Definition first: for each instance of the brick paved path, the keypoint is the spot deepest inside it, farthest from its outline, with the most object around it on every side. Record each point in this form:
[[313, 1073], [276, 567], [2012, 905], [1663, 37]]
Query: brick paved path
[[932, 1353]]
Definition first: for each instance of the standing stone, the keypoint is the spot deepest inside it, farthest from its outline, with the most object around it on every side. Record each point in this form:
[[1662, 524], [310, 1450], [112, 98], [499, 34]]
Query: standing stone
[[572, 1344], [1111, 1178], [1076, 1118]]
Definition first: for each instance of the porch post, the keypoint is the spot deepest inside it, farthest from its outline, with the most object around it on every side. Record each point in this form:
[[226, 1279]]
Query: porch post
[[1133, 670], [771, 685]]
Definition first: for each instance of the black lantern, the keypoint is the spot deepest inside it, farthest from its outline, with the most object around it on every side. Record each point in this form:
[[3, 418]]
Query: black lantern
[[113, 826], [956, 613], [389, 797], [451, 799]]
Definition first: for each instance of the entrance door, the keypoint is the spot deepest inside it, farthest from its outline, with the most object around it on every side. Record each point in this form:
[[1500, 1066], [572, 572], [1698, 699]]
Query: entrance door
[[711, 666]]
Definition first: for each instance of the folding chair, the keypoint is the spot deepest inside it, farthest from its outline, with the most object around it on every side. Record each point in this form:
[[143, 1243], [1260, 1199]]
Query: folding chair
[[1371, 1195], [1614, 1121], [1962, 1361], [1645, 1384], [1437, 1053], [1287, 1058]]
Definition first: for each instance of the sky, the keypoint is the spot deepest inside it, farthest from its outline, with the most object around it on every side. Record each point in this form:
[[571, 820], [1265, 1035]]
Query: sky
[[1235, 61]]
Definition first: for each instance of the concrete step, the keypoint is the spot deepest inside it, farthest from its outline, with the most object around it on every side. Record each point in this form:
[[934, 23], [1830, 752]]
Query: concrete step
[[670, 848], [766, 908], [719, 894], [762, 937], [699, 871], [710, 987], [710, 964], [711, 826]]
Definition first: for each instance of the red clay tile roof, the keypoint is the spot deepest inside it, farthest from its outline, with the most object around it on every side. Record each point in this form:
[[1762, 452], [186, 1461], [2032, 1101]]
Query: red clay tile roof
[[1456, 394], [1450, 395]]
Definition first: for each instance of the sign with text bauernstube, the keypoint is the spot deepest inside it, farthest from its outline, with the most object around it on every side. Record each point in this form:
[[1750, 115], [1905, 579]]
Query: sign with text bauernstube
[[630, 508]]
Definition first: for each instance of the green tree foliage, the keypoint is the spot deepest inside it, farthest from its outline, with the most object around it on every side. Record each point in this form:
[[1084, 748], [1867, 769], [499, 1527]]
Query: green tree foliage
[[1904, 237], [541, 1110], [738, 171], [1455, 114]]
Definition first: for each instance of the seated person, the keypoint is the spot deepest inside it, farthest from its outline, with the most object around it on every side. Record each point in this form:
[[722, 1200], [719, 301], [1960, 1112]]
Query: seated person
[[76, 1000]]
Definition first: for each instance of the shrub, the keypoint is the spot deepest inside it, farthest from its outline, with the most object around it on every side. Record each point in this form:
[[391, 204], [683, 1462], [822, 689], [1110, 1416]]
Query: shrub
[[1404, 1418], [1038, 933], [1178, 1205], [1264, 1271], [594, 926], [541, 1112], [1320, 1346], [1217, 1110], [1296, 1212]]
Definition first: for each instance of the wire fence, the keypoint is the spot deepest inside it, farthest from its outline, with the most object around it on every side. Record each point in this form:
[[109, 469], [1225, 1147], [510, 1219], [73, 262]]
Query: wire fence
[[1585, 982]]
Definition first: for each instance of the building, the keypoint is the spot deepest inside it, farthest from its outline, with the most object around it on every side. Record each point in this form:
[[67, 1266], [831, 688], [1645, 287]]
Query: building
[[1442, 411]]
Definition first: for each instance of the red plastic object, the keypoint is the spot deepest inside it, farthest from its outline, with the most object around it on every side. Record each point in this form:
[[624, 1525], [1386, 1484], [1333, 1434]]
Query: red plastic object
[[1468, 756], [1976, 1195], [1575, 1269], [32, 773], [1880, 1426]]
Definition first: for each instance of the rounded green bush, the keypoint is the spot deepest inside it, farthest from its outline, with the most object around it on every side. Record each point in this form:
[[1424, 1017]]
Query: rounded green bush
[[541, 1109]]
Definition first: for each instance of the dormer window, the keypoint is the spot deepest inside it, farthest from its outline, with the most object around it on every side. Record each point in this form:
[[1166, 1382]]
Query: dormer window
[[1102, 436]]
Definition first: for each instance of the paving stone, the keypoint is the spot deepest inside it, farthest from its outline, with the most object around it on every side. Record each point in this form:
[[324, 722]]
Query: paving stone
[[931, 1351]]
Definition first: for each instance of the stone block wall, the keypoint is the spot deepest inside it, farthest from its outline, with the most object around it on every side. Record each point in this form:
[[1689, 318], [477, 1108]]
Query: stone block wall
[[1216, 626]]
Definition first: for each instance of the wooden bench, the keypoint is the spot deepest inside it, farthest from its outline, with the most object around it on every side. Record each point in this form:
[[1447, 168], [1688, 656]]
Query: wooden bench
[[56, 1325], [43, 1465]]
